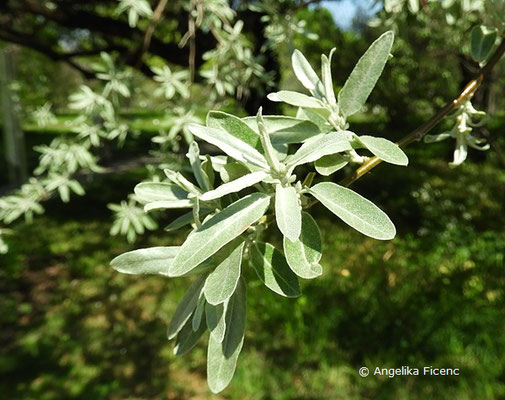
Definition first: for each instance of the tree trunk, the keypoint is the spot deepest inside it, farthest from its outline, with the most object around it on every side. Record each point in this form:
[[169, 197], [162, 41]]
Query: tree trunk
[[14, 141]]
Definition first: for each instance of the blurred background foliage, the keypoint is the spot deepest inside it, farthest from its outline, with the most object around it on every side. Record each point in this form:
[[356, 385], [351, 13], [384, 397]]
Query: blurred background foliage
[[74, 328]]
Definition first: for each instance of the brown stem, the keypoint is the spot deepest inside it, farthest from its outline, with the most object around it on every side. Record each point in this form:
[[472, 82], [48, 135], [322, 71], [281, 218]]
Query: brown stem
[[418, 133], [158, 12]]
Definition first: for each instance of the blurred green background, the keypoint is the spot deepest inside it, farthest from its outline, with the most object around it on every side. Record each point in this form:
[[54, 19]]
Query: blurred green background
[[73, 328]]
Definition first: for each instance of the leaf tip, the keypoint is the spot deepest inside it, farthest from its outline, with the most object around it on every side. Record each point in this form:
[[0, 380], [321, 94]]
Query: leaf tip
[[273, 97]]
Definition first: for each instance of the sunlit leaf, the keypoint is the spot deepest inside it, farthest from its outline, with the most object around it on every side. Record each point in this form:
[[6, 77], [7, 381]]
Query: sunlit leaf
[[364, 76], [287, 211], [354, 210], [154, 260], [384, 149], [285, 130], [306, 74], [273, 270], [323, 145], [303, 255], [235, 185], [295, 99], [221, 282], [234, 147], [330, 164], [218, 231], [222, 356]]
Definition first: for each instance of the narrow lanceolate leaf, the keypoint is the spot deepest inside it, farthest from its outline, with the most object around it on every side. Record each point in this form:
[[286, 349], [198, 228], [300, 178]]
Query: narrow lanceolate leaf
[[148, 192], [196, 165], [235, 320], [167, 204], [384, 149], [285, 130], [327, 80], [154, 260], [355, 210], [231, 145], [483, 41], [295, 99], [221, 282], [306, 74], [235, 186], [197, 315], [216, 321], [304, 254], [186, 307], [236, 127], [222, 356], [187, 338], [218, 231], [330, 164], [331, 143], [273, 270], [287, 212], [365, 74]]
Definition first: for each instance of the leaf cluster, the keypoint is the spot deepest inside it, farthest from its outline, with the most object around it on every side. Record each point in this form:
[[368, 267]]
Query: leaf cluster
[[234, 197]]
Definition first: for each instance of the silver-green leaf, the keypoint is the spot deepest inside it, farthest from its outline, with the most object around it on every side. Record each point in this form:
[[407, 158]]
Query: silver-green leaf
[[365, 74], [327, 80], [304, 254], [306, 74], [285, 130], [200, 309], [295, 99], [221, 282], [355, 210], [167, 204], [218, 231], [236, 127], [216, 321], [330, 164], [186, 307], [317, 147], [196, 165], [384, 149], [231, 145], [154, 260], [148, 192], [287, 211], [235, 186], [222, 356], [273, 270]]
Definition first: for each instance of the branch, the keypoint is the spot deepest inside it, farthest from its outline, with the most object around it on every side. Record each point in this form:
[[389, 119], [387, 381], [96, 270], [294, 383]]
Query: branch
[[158, 12], [25, 41], [72, 18], [418, 133]]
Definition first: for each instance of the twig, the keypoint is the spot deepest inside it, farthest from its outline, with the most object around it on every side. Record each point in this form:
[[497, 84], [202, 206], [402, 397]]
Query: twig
[[418, 133], [158, 12]]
